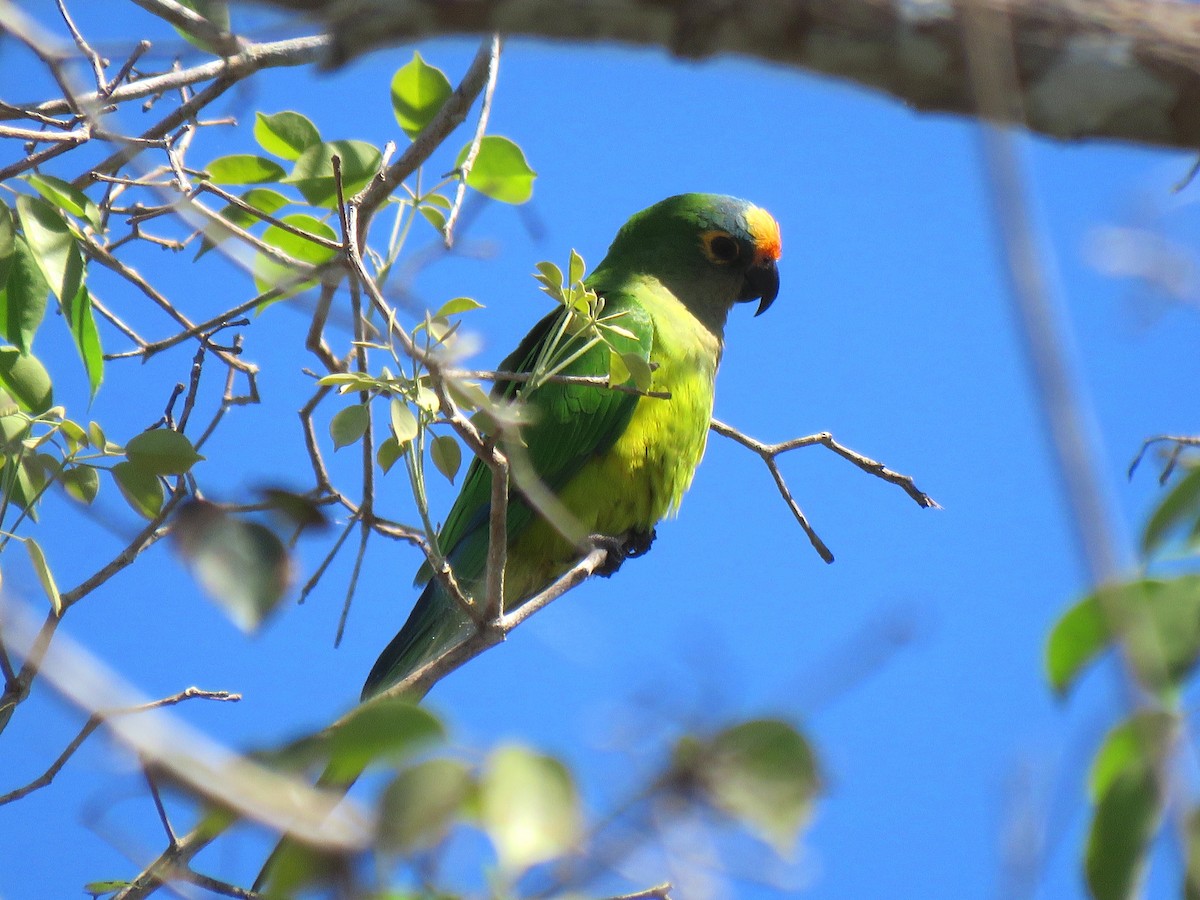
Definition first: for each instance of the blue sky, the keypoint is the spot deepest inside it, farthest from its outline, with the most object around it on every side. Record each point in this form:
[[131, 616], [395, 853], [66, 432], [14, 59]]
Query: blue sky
[[913, 662]]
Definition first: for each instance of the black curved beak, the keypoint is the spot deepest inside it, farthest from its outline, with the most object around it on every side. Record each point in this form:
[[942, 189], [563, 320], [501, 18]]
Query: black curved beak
[[762, 284]]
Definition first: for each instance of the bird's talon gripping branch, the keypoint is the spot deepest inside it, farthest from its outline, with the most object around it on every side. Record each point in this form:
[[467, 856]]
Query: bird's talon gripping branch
[[629, 545]]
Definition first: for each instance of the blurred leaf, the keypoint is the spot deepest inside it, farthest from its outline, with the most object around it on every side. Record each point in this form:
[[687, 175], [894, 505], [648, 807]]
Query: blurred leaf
[[263, 199], [419, 90], [244, 168], [81, 483], [457, 306], [299, 509], [23, 297], [162, 452], [66, 197], [763, 773], [389, 451], [141, 490], [100, 888], [1141, 740], [1122, 828], [285, 134], [242, 565], [8, 242], [1181, 506], [500, 170], [1191, 885], [54, 247], [447, 455], [42, 568], [404, 423], [268, 273], [420, 805], [313, 172], [1076, 639], [216, 11], [82, 323], [26, 380], [528, 807], [349, 425]]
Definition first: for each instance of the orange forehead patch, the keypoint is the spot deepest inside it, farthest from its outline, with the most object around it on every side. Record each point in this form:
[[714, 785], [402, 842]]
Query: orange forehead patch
[[765, 232]]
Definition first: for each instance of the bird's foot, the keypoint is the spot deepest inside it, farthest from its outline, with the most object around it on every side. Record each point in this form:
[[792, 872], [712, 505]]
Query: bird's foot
[[630, 545]]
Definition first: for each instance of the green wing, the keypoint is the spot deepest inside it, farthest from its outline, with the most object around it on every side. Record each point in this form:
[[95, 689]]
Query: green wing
[[569, 424]]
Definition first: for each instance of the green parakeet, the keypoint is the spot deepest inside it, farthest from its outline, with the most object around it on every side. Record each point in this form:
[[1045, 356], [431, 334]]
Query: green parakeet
[[616, 462]]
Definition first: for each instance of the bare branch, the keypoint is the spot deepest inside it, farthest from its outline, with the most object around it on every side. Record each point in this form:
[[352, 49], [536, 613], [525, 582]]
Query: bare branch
[[468, 162]]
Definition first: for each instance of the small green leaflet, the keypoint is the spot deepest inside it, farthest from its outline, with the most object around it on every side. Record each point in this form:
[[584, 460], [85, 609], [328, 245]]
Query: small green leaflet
[[500, 170], [244, 168], [23, 298], [67, 197], [419, 90], [54, 246], [313, 172], [162, 452], [82, 323], [285, 134]]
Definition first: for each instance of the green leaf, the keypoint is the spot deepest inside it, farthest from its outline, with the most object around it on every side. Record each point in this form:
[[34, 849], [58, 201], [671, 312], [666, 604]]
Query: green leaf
[[404, 423], [241, 565], [1181, 505], [38, 560], [500, 170], [141, 490], [81, 483], [1142, 740], [67, 197], [54, 246], [99, 888], [285, 134], [1076, 639], [23, 299], [96, 437], [244, 168], [1122, 828], [389, 451], [447, 455], [269, 274], [162, 452], [1191, 886], [576, 268], [82, 323], [313, 172], [764, 773], [26, 380], [8, 242], [349, 425], [456, 307], [216, 11], [384, 731], [639, 369], [528, 807], [263, 199], [419, 90], [421, 803]]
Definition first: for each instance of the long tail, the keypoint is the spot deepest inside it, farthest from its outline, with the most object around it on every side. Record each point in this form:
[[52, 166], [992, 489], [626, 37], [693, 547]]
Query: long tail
[[436, 623]]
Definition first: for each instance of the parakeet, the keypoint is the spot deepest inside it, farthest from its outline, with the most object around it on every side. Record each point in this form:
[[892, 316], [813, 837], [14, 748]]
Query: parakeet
[[617, 462]]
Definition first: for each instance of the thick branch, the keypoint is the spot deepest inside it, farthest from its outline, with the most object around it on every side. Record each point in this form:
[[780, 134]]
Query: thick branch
[[1118, 69]]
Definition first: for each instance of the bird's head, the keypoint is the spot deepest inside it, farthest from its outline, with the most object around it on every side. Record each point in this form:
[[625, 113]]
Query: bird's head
[[710, 250]]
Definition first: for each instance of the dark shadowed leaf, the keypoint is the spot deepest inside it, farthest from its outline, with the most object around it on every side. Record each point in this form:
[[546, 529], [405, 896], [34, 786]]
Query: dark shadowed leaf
[[528, 806], [1142, 740], [241, 565], [285, 134], [23, 298], [313, 172], [1180, 507], [422, 803], [67, 197], [389, 451], [447, 455], [141, 490], [419, 90], [299, 510], [82, 323], [500, 170], [54, 247], [1122, 828], [216, 11], [81, 483], [26, 380], [349, 425], [162, 452], [8, 242], [1191, 886]]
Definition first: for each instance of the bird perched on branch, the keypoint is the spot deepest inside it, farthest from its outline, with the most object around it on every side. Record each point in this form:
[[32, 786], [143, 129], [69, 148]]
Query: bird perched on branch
[[651, 315]]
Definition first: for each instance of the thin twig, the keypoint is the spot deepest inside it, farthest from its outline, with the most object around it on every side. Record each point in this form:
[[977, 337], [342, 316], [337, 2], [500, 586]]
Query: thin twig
[[658, 892], [1180, 441], [485, 111]]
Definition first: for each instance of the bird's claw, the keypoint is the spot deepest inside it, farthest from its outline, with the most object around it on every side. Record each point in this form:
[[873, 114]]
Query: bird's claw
[[630, 545]]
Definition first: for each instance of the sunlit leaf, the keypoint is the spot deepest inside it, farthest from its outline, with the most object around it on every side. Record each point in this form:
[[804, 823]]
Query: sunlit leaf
[[26, 380], [313, 172], [528, 806], [263, 199], [82, 483], [23, 297], [100, 888], [268, 273], [8, 242], [446, 455], [349, 425], [42, 569], [241, 565], [162, 451], [457, 306], [421, 804], [66, 197], [285, 134], [639, 369], [419, 90], [244, 168], [82, 323], [141, 490], [500, 170], [54, 247], [404, 423]]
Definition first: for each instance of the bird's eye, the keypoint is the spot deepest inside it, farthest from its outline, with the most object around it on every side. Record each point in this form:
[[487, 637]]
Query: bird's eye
[[721, 247]]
